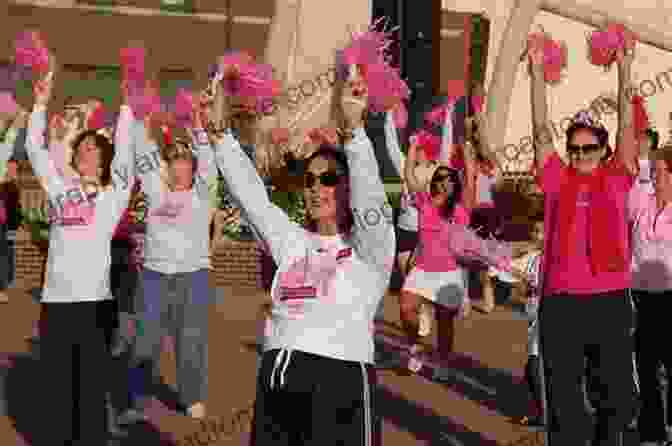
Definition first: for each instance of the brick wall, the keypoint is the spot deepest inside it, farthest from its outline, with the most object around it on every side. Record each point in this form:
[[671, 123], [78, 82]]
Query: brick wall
[[30, 261], [236, 264]]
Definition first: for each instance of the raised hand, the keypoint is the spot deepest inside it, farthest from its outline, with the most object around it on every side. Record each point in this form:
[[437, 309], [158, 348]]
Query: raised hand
[[42, 91], [535, 50], [354, 98]]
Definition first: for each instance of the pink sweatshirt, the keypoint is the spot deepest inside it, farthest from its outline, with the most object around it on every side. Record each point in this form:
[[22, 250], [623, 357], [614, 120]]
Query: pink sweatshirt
[[433, 256], [651, 241], [579, 278]]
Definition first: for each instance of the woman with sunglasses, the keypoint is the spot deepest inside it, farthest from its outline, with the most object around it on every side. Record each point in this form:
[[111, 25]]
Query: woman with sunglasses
[[436, 278], [651, 216], [174, 165], [586, 262], [316, 379], [78, 307]]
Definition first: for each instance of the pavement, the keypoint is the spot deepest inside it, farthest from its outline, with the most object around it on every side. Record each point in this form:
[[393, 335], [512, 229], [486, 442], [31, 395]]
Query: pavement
[[473, 406]]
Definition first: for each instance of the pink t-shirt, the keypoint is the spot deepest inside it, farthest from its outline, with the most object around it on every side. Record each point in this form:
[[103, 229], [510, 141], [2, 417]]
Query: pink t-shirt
[[651, 241], [432, 256], [577, 277]]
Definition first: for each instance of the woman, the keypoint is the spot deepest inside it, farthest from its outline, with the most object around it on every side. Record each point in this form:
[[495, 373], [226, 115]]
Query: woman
[[175, 295], [78, 307], [436, 278], [586, 263], [9, 134], [331, 277], [652, 286], [407, 225]]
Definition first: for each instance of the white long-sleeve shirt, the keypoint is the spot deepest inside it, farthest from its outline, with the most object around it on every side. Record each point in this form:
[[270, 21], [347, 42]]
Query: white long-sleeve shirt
[[326, 289], [408, 217], [78, 263], [177, 237]]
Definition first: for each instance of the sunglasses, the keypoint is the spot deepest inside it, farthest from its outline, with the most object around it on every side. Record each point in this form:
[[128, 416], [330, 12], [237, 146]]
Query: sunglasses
[[587, 149], [328, 179]]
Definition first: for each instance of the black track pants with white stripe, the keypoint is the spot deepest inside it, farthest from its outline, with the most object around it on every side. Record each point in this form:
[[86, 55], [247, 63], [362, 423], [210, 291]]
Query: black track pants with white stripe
[[305, 399]]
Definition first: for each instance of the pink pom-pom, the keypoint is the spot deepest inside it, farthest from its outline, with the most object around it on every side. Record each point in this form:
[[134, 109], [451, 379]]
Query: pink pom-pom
[[184, 107], [603, 44], [464, 242], [243, 78], [555, 60], [30, 51], [96, 120], [477, 103], [366, 48], [145, 102], [430, 144], [133, 64], [437, 115], [386, 89], [8, 105], [401, 116]]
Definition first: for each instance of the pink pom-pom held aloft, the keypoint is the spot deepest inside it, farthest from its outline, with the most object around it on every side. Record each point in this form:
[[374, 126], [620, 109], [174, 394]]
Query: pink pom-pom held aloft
[[96, 120], [184, 107], [133, 64], [8, 105], [30, 51], [429, 143]]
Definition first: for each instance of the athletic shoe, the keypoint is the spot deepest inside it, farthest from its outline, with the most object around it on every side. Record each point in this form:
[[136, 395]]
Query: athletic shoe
[[425, 320]]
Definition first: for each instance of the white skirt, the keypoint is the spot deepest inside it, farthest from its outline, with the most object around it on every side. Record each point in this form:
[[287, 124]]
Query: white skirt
[[447, 288]]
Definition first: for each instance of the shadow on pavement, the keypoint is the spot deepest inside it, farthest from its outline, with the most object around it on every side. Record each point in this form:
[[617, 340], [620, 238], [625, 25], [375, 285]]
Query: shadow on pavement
[[424, 423]]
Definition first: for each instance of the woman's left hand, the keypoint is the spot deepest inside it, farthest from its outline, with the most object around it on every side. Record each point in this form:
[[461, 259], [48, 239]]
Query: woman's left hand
[[354, 98]]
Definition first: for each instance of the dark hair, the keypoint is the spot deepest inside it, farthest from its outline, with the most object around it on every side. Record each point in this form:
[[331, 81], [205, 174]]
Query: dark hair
[[601, 134], [454, 176], [106, 153], [654, 137], [330, 152]]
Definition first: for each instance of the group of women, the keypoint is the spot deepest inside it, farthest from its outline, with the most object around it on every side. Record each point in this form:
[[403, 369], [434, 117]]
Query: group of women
[[332, 273]]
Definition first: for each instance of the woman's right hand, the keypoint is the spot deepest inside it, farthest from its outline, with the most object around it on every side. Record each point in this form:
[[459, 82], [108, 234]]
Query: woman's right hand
[[535, 51], [42, 90]]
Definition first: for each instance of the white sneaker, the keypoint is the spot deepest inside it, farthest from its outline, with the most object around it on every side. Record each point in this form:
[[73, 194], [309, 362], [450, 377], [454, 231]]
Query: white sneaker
[[425, 320]]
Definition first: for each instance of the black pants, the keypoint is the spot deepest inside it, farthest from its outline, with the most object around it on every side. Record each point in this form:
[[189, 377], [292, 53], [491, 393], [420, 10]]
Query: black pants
[[533, 378], [653, 350], [305, 399], [570, 327], [75, 354]]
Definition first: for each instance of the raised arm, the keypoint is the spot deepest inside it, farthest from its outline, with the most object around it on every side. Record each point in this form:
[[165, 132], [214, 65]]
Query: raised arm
[[244, 183], [123, 164], [469, 198], [392, 144], [543, 139], [36, 148], [412, 182], [374, 237], [627, 148]]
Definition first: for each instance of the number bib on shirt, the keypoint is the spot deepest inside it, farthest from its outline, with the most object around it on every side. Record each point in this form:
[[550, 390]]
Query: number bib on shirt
[[309, 281]]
